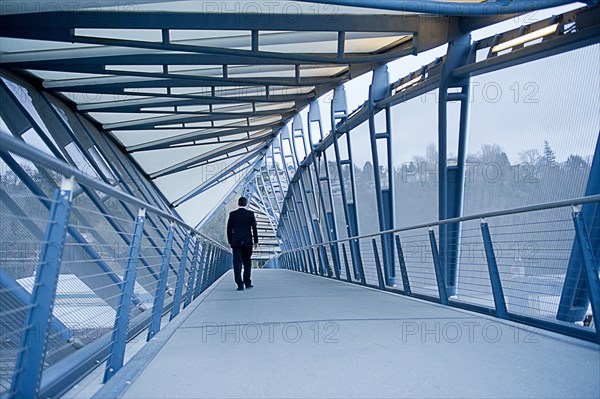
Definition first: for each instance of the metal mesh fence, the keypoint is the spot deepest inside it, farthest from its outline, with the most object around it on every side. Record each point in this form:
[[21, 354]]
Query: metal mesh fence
[[530, 249], [95, 257]]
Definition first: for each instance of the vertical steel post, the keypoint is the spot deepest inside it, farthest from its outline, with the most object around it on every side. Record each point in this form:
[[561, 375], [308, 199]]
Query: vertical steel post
[[192, 276], [30, 360], [346, 266], [119, 334], [198, 285], [495, 281], [378, 265], [574, 299], [403, 270], [361, 270], [314, 115], [205, 265], [451, 178], [208, 267], [380, 89], [336, 266], [439, 275], [180, 277], [591, 267], [339, 113], [159, 296]]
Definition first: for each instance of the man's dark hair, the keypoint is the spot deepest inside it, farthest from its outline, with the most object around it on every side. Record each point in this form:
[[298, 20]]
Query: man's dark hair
[[243, 201]]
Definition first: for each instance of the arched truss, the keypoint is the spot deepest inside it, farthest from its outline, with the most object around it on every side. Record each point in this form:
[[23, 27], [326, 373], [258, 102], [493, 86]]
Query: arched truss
[[307, 220], [196, 92]]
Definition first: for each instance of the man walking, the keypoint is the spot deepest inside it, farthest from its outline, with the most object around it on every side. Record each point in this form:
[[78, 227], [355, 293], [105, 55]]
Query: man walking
[[241, 228]]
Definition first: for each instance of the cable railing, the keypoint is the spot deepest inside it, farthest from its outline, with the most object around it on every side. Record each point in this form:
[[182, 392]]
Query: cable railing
[[517, 264], [80, 277]]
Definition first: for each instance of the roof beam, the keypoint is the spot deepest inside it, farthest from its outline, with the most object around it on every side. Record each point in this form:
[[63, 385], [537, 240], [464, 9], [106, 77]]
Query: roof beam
[[218, 177], [149, 123], [57, 25], [131, 80], [240, 41], [333, 58], [169, 100], [196, 135], [197, 161]]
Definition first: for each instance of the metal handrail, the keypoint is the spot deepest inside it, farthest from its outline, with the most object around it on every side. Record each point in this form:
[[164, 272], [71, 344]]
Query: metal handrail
[[512, 211], [38, 157]]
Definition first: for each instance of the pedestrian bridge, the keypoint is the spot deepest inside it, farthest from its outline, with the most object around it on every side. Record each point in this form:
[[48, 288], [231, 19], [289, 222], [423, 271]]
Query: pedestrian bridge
[[296, 335], [425, 175]]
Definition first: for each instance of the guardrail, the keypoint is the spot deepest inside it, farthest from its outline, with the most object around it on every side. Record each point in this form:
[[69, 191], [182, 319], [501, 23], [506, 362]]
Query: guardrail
[[85, 269], [519, 264]]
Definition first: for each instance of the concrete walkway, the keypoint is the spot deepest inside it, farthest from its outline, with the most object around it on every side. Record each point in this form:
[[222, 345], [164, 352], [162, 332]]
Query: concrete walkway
[[298, 336]]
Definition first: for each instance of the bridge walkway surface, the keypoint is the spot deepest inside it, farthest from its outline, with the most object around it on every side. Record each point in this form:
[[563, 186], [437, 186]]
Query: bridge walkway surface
[[298, 335]]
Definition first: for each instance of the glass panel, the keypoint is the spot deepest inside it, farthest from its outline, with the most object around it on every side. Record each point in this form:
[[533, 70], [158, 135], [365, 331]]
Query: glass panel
[[365, 188], [415, 131]]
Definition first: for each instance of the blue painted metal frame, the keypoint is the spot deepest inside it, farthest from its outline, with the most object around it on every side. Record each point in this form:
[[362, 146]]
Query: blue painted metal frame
[[591, 267], [439, 274], [180, 277], [30, 360], [159, 296], [201, 259], [451, 180], [574, 300], [73, 233], [346, 265], [380, 279], [48, 111], [314, 115], [192, 276], [380, 89], [119, 334], [402, 264], [207, 266], [339, 114], [494, 275]]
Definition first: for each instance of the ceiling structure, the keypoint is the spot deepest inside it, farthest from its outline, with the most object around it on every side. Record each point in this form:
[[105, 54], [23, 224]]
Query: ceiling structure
[[196, 91]]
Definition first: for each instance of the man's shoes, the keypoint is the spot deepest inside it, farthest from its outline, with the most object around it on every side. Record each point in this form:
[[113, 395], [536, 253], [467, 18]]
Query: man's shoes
[[240, 289], [249, 286]]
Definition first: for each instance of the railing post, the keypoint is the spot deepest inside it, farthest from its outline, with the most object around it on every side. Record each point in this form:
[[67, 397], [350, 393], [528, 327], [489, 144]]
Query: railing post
[[30, 360], [346, 266], [159, 297], [497, 291], [206, 266], [378, 265], [336, 260], [403, 271], [180, 277], [119, 334], [302, 257], [358, 259], [213, 264], [191, 278], [198, 286], [591, 267], [439, 275]]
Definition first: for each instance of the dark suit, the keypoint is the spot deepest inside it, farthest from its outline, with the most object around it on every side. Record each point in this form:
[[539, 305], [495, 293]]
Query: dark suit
[[241, 234]]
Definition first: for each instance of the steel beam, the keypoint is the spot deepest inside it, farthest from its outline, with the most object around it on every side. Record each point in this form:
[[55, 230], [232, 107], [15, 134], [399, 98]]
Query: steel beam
[[119, 333], [575, 300], [30, 359]]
